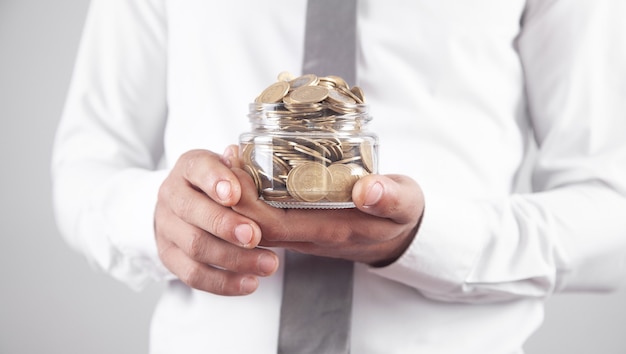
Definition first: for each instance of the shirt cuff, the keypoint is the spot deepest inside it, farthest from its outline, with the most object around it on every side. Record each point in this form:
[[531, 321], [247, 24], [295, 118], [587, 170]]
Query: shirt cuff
[[444, 251], [118, 225]]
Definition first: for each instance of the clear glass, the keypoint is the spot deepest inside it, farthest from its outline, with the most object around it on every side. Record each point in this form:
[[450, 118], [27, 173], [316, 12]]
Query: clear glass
[[308, 155]]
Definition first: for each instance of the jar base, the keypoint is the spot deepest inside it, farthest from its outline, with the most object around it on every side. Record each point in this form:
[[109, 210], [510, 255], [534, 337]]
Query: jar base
[[308, 205]]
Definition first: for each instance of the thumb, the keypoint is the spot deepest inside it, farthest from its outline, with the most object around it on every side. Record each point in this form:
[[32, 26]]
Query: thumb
[[395, 197]]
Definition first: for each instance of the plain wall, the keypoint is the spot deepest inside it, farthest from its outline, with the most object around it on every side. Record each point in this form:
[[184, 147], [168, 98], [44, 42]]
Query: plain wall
[[51, 301]]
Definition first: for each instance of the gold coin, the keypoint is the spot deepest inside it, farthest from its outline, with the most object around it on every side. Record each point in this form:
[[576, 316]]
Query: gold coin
[[349, 159], [288, 100], [312, 153], [280, 166], [316, 144], [271, 167], [274, 93], [271, 178], [304, 80], [301, 108], [255, 177], [275, 194], [339, 97], [336, 153], [262, 159], [350, 94], [357, 170], [358, 92], [343, 108], [333, 81], [367, 155], [309, 94], [276, 141], [285, 76], [246, 153], [309, 181], [343, 179]]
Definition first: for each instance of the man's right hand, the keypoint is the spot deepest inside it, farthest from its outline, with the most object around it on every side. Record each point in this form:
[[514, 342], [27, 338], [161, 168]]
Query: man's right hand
[[200, 238]]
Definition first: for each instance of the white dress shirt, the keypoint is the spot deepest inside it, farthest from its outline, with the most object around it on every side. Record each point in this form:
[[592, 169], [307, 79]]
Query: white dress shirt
[[458, 89]]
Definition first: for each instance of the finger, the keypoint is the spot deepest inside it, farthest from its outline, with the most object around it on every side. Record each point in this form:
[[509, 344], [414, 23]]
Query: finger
[[195, 208], [203, 277], [326, 228], [271, 220], [206, 171], [230, 157], [205, 248], [395, 197]]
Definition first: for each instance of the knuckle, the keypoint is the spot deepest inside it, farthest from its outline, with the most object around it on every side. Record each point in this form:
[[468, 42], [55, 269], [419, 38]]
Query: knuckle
[[193, 275], [341, 233], [232, 260], [181, 206], [228, 260], [196, 247], [218, 284], [215, 281], [165, 190], [274, 230], [188, 157], [189, 162], [168, 195], [219, 223]]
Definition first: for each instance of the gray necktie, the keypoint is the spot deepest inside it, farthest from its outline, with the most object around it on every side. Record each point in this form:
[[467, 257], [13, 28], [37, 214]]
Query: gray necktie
[[317, 292]]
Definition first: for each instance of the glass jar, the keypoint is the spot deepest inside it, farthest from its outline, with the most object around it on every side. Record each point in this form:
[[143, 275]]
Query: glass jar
[[308, 155]]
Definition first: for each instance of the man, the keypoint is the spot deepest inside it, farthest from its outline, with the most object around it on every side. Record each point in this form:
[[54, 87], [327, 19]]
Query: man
[[450, 256]]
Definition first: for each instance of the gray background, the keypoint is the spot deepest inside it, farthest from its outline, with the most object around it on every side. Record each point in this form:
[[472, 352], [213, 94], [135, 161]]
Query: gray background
[[51, 301]]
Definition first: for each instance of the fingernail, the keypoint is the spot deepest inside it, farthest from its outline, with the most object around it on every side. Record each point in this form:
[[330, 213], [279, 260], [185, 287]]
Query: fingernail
[[267, 264], [223, 190], [248, 285], [374, 194], [244, 234], [227, 155]]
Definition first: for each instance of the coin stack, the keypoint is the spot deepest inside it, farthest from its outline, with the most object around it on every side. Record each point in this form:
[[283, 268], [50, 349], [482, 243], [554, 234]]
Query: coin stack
[[309, 144]]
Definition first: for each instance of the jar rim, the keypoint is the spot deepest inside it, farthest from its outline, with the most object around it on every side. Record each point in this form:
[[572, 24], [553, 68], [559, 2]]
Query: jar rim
[[259, 105], [358, 111]]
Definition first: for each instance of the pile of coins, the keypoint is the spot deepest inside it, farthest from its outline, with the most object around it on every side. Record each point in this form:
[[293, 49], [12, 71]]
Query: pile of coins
[[310, 93], [307, 146]]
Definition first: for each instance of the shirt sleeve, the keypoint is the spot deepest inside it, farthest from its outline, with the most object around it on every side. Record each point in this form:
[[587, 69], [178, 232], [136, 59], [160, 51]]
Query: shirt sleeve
[[110, 140], [570, 233]]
